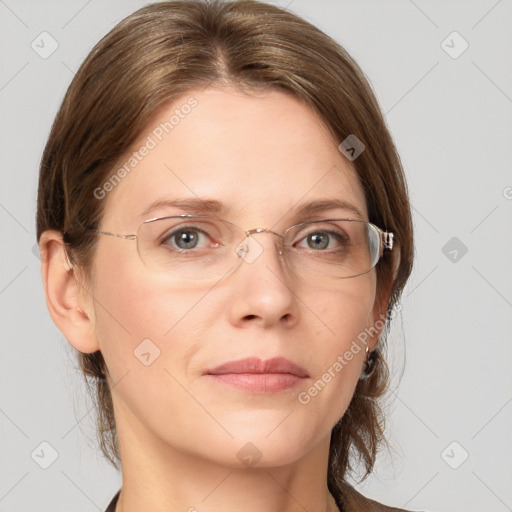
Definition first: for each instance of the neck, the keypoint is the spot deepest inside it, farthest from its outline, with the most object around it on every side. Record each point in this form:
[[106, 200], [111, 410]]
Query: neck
[[162, 478]]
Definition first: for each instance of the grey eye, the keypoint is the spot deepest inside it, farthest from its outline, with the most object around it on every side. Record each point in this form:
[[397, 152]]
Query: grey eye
[[186, 238], [318, 240], [321, 240]]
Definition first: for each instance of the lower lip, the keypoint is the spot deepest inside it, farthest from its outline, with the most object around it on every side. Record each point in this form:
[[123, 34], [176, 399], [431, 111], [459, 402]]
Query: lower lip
[[259, 382]]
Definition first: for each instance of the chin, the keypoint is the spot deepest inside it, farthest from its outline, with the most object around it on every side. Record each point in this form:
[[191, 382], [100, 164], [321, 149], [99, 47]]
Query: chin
[[262, 444]]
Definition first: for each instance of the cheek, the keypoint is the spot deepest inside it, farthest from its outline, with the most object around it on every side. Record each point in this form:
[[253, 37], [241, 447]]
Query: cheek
[[347, 310], [345, 317], [148, 334], [137, 318]]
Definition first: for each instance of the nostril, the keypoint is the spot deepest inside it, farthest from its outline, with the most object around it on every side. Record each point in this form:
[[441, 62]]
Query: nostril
[[250, 317]]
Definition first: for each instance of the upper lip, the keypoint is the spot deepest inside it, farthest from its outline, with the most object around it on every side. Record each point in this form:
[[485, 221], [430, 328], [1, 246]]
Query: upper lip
[[256, 365]]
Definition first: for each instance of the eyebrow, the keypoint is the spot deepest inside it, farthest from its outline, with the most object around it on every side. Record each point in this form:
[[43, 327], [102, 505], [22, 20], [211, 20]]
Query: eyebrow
[[197, 205], [319, 206], [193, 205]]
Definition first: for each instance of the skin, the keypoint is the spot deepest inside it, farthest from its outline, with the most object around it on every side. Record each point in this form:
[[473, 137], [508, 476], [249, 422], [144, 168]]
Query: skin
[[262, 154]]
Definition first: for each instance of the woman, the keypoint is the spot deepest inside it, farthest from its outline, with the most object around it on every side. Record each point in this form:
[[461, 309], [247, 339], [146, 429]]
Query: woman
[[224, 227]]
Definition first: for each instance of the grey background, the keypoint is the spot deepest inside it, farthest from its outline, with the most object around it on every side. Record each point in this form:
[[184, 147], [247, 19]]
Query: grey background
[[452, 122]]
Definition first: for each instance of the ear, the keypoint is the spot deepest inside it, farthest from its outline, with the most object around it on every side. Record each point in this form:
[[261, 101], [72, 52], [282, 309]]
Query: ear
[[67, 299], [380, 307], [378, 316]]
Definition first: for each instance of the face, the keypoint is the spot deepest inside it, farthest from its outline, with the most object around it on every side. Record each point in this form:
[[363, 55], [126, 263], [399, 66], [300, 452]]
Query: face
[[263, 156]]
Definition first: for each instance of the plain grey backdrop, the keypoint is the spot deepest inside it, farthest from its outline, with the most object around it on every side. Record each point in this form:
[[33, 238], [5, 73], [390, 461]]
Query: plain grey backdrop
[[442, 73]]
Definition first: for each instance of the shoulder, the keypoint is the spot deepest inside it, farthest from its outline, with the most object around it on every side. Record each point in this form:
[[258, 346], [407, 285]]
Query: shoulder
[[354, 501]]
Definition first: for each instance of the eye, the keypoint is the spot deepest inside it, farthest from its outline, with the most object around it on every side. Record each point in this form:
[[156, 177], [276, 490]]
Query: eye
[[318, 240], [186, 238], [323, 239]]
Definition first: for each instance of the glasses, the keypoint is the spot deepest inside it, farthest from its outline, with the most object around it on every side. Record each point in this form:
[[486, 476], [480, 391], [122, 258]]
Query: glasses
[[195, 247]]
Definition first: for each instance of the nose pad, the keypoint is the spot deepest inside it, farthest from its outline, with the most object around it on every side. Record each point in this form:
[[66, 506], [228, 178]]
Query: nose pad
[[249, 250]]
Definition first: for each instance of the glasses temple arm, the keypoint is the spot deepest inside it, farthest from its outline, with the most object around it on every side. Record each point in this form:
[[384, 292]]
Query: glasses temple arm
[[108, 233], [387, 239]]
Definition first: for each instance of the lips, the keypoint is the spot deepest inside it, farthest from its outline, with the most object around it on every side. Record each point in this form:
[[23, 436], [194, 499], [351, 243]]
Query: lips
[[254, 365], [252, 375]]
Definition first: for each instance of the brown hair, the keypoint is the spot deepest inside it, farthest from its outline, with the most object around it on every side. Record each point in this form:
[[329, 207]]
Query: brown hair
[[156, 55]]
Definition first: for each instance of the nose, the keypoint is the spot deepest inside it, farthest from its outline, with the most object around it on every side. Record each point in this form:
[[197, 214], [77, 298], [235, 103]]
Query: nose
[[262, 286]]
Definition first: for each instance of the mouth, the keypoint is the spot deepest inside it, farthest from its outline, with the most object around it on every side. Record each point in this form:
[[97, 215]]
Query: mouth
[[254, 375]]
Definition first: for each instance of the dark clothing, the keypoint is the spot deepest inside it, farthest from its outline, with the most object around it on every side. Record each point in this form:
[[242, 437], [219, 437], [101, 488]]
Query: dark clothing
[[347, 500], [113, 503]]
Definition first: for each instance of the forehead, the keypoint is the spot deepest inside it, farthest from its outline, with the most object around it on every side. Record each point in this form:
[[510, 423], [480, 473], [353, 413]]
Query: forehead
[[262, 155]]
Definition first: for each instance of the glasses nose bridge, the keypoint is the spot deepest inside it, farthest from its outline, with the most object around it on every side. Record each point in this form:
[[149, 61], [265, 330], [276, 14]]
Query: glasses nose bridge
[[250, 232]]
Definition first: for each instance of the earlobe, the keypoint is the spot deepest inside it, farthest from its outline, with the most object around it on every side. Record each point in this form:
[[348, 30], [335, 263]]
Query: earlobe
[[69, 310]]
